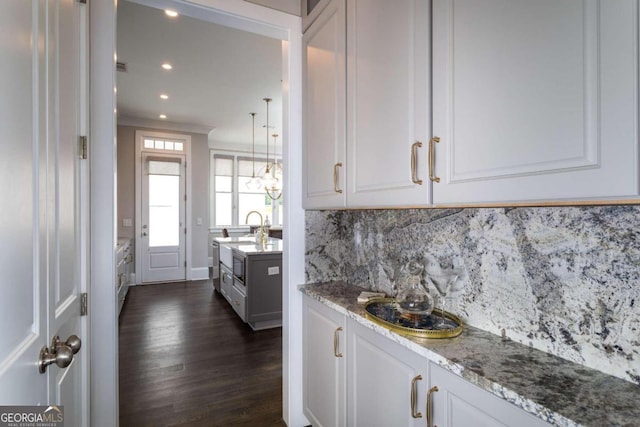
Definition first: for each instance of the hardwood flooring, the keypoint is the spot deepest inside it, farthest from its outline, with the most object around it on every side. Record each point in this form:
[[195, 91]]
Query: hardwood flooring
[[186, 359]]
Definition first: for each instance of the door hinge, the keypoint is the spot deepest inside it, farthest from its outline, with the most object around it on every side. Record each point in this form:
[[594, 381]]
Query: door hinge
[[185, 263], [185, 197], [82, 1], [185, 230], [82, 147], [84, 304]]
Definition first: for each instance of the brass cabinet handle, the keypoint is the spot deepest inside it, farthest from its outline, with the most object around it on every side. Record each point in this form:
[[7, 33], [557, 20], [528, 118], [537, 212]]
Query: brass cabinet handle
[[336, 342], [414, 396], [335, 177], [414, 162], [429, 406], [432, 158]]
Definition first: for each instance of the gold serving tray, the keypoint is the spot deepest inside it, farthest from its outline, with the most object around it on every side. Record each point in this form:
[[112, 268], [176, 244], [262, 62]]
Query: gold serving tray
[[384, 312]]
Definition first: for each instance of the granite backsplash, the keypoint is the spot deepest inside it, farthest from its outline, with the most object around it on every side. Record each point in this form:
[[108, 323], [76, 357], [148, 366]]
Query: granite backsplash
[[561, 279]]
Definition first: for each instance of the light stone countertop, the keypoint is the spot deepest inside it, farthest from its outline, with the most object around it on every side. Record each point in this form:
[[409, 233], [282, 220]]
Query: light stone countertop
[[247, 245], [558, 391]]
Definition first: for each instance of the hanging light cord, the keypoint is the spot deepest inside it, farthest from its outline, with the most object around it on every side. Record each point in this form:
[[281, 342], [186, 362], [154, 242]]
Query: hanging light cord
[[267, 100], [275, 149], [253, 143]]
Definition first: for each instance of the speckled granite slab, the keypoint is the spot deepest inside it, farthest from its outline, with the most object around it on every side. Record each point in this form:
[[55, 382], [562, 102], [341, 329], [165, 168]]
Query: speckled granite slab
[[558, 391], [564, 280]]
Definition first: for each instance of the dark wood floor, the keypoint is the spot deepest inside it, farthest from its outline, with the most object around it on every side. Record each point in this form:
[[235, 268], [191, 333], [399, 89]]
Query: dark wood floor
[[186, 359]]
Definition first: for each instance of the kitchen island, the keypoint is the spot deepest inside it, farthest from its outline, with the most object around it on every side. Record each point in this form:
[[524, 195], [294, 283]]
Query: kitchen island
[[251, 279], [549, 388]]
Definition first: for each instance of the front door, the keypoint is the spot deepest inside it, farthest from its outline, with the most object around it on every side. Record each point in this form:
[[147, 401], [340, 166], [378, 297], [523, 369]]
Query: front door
[[163, 217], [42, 256]]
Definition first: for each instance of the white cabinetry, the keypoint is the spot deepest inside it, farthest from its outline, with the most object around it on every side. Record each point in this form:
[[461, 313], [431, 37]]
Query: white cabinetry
[[386, 383], [531, 101], [388, 98], [458, 403], [124, 269], [324, 355], [324, 109], [371, 155], [535, 100], [383, 383]]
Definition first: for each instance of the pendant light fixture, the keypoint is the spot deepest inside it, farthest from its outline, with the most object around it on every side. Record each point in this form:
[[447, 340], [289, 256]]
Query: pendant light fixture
[[255, 183], [274, 190]]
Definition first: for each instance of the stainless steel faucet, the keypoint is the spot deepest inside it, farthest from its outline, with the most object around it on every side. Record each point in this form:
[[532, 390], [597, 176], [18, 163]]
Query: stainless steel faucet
[[263, 237]]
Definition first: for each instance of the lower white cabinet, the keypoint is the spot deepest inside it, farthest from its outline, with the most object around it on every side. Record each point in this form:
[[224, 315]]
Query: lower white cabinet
[[353, 376], [324, 356], [458, 403], [386, 383]]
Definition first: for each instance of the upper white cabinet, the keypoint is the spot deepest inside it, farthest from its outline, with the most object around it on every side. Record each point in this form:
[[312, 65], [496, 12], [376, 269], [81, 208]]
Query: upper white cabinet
[[388, 97], [535, 100], [324, 109], [531, 101]]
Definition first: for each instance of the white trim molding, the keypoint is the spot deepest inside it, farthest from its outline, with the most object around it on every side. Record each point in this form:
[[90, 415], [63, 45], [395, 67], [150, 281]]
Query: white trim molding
[[200, 273]]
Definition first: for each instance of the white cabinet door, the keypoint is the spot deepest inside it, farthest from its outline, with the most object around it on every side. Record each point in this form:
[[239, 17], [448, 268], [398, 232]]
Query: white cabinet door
[[324, 354], [384, 379], [458, 403], [388, 93], [534, 100], [324, 109]]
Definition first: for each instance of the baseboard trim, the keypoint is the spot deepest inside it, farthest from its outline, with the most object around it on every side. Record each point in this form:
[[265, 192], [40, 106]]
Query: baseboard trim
[[201, 273]]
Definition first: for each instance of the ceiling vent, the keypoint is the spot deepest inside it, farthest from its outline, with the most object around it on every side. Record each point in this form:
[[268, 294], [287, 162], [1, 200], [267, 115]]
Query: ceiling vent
[[121, 66]]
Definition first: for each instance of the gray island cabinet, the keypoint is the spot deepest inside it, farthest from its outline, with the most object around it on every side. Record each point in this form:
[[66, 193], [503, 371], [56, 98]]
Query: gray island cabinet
[[251, 281]]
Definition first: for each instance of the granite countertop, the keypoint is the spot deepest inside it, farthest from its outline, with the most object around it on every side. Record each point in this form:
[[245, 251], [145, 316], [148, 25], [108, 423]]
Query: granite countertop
[[273, 246], [558, 391]]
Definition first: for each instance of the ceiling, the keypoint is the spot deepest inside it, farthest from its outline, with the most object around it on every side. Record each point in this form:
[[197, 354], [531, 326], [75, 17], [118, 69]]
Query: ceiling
[[220, 75]]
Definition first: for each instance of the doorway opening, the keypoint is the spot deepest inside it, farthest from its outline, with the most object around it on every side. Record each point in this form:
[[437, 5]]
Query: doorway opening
[[172, 124]]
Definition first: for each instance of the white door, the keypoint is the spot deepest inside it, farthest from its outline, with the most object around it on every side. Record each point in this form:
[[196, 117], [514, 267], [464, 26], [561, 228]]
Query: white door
[[43, 256], [388, 94], [324, 71], [163, 228], [534, 99]]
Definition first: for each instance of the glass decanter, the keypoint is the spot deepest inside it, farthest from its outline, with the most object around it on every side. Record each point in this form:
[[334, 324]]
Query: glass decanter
[[413, 298]]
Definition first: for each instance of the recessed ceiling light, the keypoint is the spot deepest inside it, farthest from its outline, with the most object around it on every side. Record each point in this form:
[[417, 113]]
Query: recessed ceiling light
[[162, 116], [170, 13], [167, 66], [164, 96]]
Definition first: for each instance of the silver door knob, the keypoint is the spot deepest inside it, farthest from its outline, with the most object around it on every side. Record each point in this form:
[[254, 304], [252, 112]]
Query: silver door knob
[[73, 342], [61, 353]]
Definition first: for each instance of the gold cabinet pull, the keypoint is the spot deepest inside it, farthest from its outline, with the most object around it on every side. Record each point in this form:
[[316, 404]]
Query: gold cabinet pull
[[414, 162], [414, 396], [335, 177], [429, 406], [432, 158], [336, 342]]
